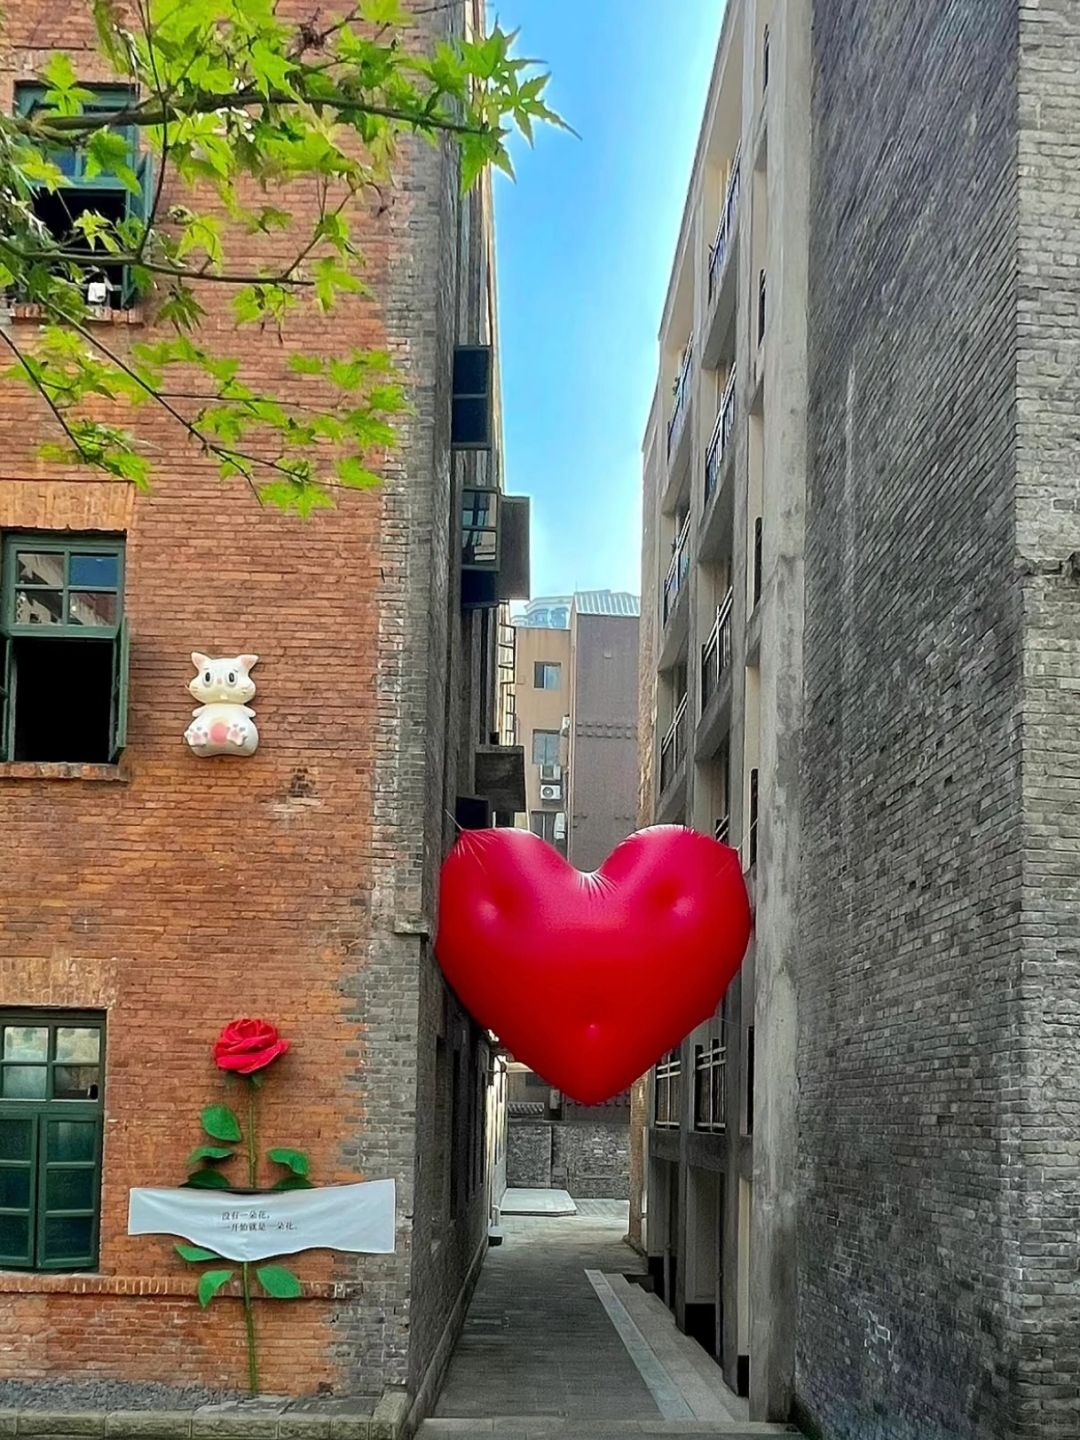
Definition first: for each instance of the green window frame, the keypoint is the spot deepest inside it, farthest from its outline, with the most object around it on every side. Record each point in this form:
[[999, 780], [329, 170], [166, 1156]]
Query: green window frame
[[79, 581], [72, 161], [52, 1067]]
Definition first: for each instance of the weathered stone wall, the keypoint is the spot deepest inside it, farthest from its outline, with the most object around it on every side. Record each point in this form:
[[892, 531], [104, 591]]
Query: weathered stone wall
[[595, 1159], [591, 1159], [912, 1097], [528, 1155]]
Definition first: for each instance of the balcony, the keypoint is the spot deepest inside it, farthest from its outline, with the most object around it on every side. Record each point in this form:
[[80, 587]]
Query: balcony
[[723, 245], [675, 580], [680, 403], [719, 330], [721, 438], [673, 748], [716, 652]]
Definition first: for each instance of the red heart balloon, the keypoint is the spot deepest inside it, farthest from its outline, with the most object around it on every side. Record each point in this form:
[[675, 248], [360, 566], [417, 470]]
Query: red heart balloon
[[589, 979]]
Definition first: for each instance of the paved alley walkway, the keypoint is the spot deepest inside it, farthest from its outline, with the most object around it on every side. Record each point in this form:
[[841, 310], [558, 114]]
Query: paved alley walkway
[[557, 1343]]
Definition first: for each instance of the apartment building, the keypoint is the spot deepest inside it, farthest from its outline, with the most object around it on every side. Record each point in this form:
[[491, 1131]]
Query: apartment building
[[723, 473], [150, 895], [575, 702]]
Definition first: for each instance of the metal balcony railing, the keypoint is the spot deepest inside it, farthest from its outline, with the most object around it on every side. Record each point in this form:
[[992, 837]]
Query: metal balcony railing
[[682, 394], [673, 747], [722, 829], [668, 1091], [721, 436], [716, 652], [678, 569], [718, 252]]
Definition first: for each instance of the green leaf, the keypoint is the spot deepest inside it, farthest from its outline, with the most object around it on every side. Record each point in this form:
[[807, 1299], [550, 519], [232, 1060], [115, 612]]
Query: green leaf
[[210, 1152], [210, 1282], [206, 1180], [296, 1160], [220, 1123], [352, 471], [293, 1182], [279, 1283], [195, 1254]]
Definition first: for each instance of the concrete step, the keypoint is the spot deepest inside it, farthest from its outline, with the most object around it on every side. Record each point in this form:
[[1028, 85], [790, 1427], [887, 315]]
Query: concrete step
[[540, 1427], [699, 1379]]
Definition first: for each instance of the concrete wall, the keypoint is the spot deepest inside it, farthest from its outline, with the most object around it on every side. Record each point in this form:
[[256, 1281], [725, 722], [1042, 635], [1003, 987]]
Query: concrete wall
[[912, 1108], [603, 746]]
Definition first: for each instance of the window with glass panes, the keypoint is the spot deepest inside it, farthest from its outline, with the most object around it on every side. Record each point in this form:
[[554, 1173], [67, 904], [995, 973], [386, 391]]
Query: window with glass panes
[[709, 1085], [545, 747], [51, 1073], [62, 634]]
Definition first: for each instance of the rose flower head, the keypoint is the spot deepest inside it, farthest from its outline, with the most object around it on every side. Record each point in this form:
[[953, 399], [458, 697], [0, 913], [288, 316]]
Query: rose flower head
[[246, 1045]]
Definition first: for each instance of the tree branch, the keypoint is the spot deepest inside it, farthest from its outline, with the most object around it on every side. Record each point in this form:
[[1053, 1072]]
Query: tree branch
[[60, 127]]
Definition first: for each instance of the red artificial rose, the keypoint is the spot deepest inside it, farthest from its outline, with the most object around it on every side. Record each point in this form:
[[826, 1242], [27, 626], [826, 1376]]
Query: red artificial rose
[[245, 1046]]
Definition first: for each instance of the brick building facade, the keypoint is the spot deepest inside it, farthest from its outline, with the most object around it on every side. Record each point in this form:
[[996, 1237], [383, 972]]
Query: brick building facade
[[156, 895]]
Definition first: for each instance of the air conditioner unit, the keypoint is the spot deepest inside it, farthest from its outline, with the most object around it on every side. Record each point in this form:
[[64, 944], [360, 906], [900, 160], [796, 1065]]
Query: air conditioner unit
[[550, 792], [550, 772], [97, 292]]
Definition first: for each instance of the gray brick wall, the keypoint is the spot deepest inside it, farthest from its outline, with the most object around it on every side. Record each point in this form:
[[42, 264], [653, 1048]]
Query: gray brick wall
[[911, 995], [528, 1154], [1046, 1136], [594, 1158]]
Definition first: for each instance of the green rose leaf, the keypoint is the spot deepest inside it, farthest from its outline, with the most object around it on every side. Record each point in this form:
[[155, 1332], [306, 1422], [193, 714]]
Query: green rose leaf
[[210, 1152], [279, 1283], [210, 1282], [220, 1123], [295, 1160], [195, 1254], [293, 1182], [206, 1180]]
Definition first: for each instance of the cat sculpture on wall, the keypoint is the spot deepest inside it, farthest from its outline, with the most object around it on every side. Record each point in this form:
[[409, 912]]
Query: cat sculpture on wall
[[223, 724]]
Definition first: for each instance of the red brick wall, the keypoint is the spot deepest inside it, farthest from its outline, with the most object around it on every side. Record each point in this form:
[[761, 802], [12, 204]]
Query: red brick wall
[[188, 891]]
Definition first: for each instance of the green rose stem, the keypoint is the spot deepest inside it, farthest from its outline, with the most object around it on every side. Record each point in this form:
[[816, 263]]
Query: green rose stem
[[249, 1311]]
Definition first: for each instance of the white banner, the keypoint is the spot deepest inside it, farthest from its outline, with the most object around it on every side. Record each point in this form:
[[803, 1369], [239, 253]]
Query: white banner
[[254, 1227]]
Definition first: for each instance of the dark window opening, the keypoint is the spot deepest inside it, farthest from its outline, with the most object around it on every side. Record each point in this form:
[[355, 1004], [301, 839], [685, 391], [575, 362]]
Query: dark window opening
[[750, 1080], [63, 700], [753, 829], [59, 211], [470, 423], [547, 675]]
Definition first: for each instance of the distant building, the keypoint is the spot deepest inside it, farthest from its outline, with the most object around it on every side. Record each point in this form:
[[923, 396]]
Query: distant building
[[573, 708]]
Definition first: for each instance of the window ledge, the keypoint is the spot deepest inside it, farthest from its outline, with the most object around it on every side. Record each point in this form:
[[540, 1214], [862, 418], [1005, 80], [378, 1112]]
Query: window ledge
[[95, 314], [60, 770], [86, 1282]]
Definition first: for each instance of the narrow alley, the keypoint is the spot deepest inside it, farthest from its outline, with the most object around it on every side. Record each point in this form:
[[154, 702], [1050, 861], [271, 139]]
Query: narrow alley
[[561, 1340]]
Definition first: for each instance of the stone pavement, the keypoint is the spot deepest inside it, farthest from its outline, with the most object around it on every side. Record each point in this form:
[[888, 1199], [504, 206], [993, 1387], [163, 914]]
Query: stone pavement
[[557, 1344]]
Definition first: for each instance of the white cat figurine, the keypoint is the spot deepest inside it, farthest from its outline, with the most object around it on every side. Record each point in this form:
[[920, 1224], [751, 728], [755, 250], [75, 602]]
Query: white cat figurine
[[223, 724]]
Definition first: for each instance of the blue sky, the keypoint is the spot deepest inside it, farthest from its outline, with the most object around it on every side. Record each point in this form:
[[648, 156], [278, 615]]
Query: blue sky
[[585, 241]]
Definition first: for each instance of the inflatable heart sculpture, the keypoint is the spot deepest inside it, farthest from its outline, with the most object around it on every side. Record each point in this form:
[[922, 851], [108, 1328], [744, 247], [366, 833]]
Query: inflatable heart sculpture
[[589, 979]]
